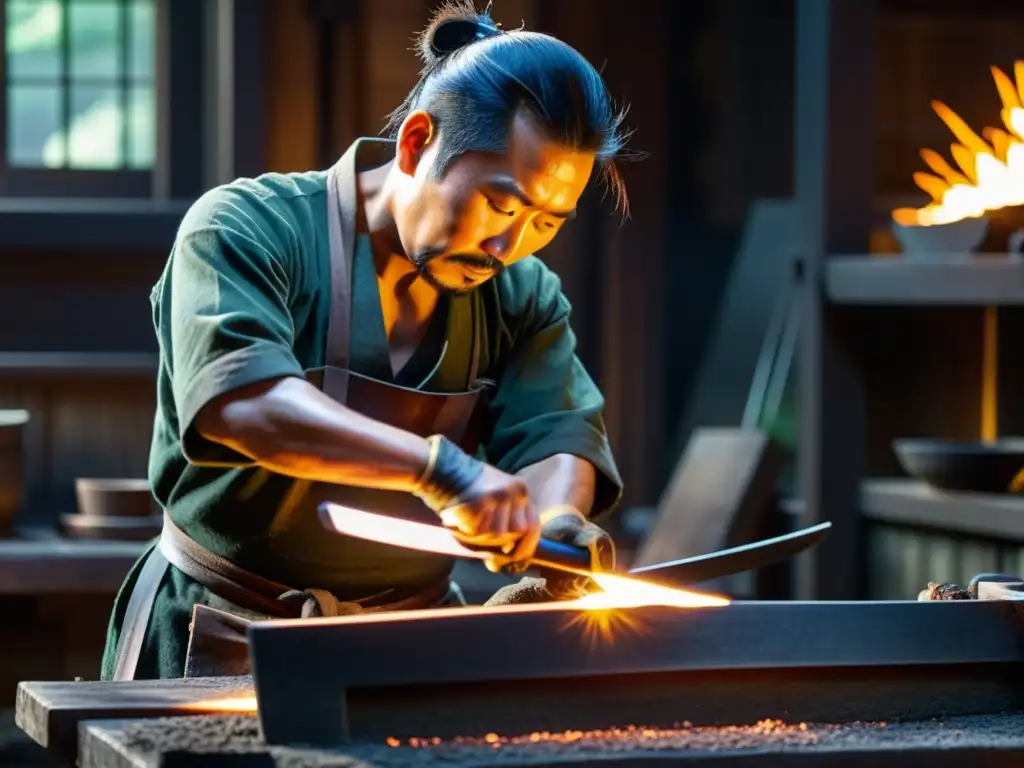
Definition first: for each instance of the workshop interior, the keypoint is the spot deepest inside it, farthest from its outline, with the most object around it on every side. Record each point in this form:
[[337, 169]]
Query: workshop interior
[[802, 330]]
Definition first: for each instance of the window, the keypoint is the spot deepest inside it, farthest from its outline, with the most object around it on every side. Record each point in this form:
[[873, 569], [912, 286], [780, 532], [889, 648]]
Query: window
[[79, 88]]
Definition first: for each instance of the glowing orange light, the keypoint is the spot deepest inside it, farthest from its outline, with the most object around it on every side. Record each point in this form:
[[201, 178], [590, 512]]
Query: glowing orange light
[[625, 592], [232, 704], [990, 172]]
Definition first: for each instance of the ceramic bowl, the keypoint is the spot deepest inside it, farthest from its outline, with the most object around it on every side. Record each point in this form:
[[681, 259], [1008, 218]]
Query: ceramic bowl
[[942, 242], [114, 497]]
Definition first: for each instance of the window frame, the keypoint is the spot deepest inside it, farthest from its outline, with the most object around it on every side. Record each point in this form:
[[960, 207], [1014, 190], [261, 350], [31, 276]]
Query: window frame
[[195, 42], [18, 181]]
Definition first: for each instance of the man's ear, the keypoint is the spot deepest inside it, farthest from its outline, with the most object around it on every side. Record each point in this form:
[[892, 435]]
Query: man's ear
[[414, 137]]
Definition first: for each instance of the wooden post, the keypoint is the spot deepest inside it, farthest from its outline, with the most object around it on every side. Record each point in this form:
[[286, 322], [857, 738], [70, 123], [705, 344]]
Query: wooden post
[[835, 90]]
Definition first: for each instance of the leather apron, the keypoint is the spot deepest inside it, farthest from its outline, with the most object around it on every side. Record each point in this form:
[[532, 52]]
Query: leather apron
[[423, 413]]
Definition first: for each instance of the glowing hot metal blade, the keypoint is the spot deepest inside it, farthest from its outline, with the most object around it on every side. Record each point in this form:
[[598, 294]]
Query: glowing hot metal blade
[[394, 531], [441, 541], [619, 590]]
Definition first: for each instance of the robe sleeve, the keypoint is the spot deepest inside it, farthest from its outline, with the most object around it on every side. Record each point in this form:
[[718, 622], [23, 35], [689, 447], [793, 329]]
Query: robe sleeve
[[222, 310], [545, 402]]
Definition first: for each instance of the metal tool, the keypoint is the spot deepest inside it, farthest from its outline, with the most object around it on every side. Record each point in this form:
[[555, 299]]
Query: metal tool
[[725, 562], [550, 554]]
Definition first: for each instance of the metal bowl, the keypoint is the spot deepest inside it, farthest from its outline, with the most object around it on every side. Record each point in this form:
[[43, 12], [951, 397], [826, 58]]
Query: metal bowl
[[955, 465]]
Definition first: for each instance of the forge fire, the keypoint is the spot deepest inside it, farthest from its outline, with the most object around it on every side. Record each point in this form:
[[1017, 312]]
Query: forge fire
[[989, 169]]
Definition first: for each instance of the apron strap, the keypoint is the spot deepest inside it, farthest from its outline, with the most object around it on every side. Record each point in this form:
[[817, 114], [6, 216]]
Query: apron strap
[[136, 615], [341, 217], [221, 576], [234, 585]]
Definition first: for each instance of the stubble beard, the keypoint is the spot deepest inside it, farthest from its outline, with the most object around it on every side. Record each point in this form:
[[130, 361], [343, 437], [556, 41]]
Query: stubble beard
[[421, 261]]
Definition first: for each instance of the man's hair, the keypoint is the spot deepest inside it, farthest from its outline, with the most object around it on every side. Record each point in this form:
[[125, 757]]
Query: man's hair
[[476, 76]]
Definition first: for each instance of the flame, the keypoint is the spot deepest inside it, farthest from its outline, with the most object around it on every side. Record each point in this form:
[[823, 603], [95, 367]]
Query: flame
[[989, 172], [625, 592]]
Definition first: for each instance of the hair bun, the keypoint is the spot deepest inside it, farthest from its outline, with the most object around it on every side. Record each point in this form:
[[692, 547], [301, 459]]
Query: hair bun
[[454, 27]]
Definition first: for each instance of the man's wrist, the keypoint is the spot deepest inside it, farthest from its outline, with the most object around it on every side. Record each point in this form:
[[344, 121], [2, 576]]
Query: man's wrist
[[448, 474], [561, 510], [433, 449]]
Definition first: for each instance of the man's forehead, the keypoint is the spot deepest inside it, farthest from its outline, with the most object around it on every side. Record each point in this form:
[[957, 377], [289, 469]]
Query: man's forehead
[[531, 150], [546, 171]]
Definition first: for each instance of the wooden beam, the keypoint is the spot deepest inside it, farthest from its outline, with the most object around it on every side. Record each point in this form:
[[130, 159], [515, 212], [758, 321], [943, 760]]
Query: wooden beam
[[50, 712], [178, 168], [236, 35], [634, 290], [834, 184]]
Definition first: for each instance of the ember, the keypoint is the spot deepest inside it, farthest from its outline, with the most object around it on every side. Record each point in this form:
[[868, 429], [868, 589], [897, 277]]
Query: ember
[[634, 736], [989, 172]]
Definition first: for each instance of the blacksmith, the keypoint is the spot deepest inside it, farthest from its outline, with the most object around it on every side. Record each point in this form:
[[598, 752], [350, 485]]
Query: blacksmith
[[380, 335]]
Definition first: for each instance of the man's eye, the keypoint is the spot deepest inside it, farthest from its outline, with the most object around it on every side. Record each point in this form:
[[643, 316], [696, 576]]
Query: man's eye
[[497, 208]]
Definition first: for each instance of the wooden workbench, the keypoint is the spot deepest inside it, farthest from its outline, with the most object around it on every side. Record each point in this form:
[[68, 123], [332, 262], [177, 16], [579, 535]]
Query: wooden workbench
[[51, 712], [126, 725]]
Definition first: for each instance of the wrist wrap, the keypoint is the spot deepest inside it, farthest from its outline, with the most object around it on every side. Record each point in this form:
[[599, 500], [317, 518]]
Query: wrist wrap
[[449, 474]]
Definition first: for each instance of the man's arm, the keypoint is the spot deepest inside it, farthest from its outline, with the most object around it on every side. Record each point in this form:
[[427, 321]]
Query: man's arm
[[226, 329], [290, 427], [561, 480]]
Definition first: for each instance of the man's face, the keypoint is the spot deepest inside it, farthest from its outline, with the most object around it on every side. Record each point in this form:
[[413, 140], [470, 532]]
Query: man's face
[[489, 210]]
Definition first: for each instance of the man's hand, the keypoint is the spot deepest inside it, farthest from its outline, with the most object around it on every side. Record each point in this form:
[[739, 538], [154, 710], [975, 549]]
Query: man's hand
[[496, 513], [484, 507], [569, 526]]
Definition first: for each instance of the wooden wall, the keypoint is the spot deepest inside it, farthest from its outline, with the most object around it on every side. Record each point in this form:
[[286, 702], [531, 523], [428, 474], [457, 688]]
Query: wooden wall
[[82, 425]]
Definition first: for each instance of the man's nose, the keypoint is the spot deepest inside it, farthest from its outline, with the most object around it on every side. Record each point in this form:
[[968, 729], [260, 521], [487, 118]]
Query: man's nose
[[503, 246]]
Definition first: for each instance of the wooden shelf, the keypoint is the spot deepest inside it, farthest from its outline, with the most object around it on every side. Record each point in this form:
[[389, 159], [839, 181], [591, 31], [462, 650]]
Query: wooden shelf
[[883, 280], [77, 224], [39, 562], [912, 502], [77, 363]]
